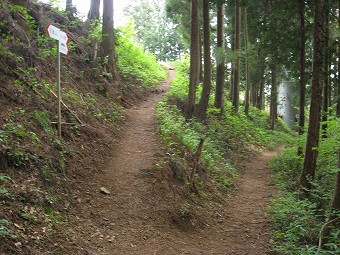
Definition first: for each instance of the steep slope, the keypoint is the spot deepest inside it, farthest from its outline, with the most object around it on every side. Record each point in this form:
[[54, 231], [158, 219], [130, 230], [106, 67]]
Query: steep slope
[[38, 170]]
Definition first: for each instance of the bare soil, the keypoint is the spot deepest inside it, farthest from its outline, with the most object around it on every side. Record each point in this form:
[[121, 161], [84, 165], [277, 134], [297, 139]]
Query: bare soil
[[126, 208]]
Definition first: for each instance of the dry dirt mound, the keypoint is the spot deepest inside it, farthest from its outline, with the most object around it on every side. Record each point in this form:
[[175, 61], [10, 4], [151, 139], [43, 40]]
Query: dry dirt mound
[[128, 206]]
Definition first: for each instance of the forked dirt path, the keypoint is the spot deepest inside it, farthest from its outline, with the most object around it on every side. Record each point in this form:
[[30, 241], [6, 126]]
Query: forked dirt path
[[135, 217]]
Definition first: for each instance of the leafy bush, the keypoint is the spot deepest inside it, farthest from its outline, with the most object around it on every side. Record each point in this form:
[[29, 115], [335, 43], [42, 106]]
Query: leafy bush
[[177, 133], [297, 221], [295, 225]]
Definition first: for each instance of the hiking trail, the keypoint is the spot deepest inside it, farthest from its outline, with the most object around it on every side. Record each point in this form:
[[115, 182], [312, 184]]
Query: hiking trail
[[123, 209]]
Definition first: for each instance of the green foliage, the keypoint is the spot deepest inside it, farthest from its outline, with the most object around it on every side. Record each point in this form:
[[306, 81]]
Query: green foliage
[[295, 224], [133, 62], [287, 165], [178, 134], [155, 31], [4, 231], [43, 119], [180, 84], [25, 13], [3, 191], [13, 136], [184, 211], [47, 46], [297, 221]]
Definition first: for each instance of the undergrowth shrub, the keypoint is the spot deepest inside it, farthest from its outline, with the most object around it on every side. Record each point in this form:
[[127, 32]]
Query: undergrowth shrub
[[177, 133], [296, 220]]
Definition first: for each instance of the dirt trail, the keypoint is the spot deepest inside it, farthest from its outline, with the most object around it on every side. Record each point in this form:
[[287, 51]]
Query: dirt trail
[[135, 217]]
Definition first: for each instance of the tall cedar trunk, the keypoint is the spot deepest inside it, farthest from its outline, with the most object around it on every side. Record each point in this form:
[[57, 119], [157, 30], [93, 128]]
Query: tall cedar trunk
[[232, 73], [302, 72], [204, 101], [247, 101], [94, 12], [311, 151], [336, 197], [254, 95], [194, 59], [273, 98], [220, 59], [302, 68], [260, 102], [70, 9], [326, 87], [338, 80], [108, 38], [236, 97], [201, 54], [92, 21]]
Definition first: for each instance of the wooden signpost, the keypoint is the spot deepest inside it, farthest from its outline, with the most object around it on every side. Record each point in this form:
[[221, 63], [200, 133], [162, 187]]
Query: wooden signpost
[[62, 47]]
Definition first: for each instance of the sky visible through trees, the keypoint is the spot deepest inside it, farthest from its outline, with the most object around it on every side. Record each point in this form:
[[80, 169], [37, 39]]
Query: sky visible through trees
[[83, 7]]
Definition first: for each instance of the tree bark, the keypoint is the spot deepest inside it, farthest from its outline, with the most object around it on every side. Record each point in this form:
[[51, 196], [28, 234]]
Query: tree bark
[[70, 9], [194, 59], [302, 68], [302, 72], [336, 197], [92, 22], [204, 101], [247, 100], [337, 97], [236, 97], [326, 87], [94, 12], [312, 144], [273, 98], [260, 102], [108, 38], [220, 59]]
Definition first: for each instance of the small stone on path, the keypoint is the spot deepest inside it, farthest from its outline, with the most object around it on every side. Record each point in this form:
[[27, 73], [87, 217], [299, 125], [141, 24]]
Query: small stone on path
[[104, 191]]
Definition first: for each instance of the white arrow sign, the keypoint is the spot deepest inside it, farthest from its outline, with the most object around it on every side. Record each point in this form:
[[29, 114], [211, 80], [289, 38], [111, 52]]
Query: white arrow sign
[[53, 31], [63, 41], [59, 35]]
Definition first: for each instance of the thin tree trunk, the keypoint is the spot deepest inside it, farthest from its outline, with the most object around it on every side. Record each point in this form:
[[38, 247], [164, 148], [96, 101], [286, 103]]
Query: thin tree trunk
[[94, 12], [247, 100], [337, 98], [273, 98], [237, 48], [220, 59], [233, 63], [336, 197], [92, 22], [108, 38], [70, 9], [254, 96], [260, 103], [302, 72], [311, 151], [326, 88], [204, 101], [194, 59]]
